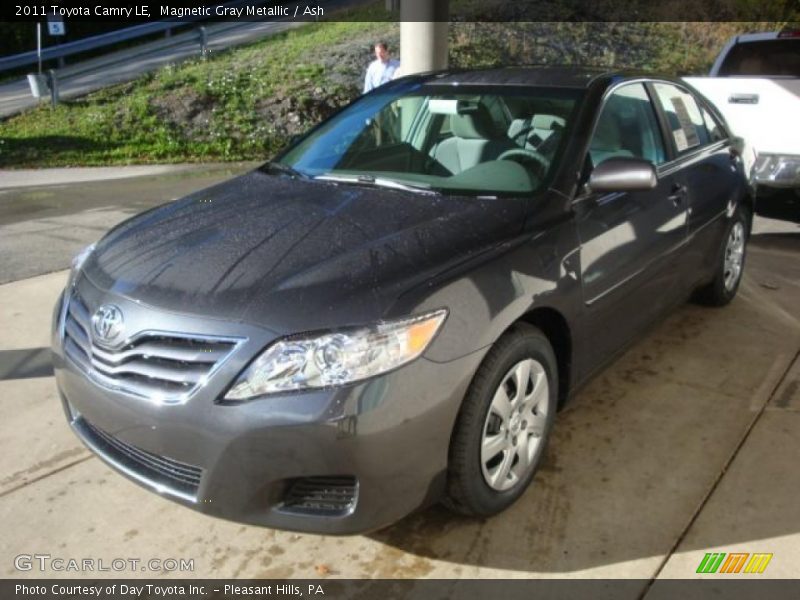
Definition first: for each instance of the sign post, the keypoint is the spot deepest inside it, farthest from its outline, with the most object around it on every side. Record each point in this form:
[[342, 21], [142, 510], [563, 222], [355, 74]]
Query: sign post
[[37, 81], [39, 44]]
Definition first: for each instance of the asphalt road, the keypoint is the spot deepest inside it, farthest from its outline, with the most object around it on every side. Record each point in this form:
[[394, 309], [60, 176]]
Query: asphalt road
[[42, 226]]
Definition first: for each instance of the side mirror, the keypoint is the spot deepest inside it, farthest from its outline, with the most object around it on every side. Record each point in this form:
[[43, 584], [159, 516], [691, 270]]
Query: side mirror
[[623, 175]]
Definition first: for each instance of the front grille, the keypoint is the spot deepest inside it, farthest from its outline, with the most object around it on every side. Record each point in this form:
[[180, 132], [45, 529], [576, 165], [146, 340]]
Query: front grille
[[324, 496], [165, 474], [166, 367]]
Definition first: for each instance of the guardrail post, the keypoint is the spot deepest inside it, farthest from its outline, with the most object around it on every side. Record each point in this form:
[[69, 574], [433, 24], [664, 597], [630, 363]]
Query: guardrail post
[[52, 80], [38, 84], [203, 42]]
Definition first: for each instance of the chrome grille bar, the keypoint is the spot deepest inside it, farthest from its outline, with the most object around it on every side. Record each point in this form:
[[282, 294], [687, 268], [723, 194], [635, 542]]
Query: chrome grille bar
[[161, 366]]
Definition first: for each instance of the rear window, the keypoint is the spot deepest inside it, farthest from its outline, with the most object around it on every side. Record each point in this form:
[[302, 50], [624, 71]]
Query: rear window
[[779, 57]]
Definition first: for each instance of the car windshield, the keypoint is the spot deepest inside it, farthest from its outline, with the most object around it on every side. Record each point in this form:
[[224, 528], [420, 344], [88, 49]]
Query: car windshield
[[496, 140]]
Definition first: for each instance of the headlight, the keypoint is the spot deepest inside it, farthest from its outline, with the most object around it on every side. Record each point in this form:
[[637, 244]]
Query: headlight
[[336, 358]]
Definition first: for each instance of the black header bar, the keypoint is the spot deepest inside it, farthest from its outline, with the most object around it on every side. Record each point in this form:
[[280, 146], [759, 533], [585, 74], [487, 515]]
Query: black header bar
[[410, 10]]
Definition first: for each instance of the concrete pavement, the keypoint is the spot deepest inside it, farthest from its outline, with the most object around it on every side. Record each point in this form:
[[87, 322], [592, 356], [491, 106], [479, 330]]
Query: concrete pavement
[[754, 507], [686, 445]]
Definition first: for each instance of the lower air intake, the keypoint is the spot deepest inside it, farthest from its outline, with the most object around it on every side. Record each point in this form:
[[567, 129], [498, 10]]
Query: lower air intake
[[331, 496]]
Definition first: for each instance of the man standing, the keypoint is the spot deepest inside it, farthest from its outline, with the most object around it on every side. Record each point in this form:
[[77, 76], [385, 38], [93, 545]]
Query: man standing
[[382, 69]]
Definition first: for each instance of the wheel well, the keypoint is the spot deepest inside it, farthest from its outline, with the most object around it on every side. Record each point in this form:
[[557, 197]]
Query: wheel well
[[749, 202], [553, 324]]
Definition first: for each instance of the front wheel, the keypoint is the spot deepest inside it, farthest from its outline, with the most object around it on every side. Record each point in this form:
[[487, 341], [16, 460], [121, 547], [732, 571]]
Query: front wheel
[[730, 262], [504, 424]]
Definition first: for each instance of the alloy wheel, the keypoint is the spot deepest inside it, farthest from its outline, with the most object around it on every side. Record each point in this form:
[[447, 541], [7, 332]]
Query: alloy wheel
[[515, 425], [734, 256]]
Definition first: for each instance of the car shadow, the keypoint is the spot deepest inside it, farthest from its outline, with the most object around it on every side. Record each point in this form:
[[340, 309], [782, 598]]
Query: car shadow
[[783, 205], [25, 363], [18, 152]]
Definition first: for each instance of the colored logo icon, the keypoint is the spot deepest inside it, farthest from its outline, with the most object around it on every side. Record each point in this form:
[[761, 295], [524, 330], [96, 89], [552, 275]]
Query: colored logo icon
[[734, 562]]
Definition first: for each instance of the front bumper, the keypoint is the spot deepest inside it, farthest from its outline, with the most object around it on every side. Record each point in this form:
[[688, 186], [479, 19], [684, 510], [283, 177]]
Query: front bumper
[[384, 441], [777, 170]]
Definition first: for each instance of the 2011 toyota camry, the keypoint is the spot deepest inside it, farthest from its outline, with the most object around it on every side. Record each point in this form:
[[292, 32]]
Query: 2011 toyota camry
[[391, 313]]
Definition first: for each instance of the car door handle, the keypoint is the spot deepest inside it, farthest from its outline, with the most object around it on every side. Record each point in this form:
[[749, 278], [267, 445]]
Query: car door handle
[[677, 194], [743, 99]]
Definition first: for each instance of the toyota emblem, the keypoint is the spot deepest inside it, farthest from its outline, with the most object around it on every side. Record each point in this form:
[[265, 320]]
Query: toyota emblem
[[107, 323]]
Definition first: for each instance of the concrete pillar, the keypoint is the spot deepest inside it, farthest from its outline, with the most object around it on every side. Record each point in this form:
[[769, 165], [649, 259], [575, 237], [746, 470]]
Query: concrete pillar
[[423, 35]]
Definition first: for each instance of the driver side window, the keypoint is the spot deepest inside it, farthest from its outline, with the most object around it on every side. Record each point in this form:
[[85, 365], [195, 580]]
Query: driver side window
[[627, 127]]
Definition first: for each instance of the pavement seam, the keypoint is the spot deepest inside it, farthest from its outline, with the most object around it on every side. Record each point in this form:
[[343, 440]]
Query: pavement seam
[[721, 474], [29, 277], [48, 474]]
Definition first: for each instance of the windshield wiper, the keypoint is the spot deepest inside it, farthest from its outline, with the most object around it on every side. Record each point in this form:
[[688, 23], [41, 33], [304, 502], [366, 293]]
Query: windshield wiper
[[282, 168], [378, 182]]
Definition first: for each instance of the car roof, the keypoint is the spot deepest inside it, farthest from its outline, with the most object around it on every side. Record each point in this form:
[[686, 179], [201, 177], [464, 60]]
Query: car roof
[[540, 76]]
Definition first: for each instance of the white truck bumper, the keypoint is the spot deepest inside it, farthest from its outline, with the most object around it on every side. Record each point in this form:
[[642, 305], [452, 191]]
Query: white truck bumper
[[777, 170]]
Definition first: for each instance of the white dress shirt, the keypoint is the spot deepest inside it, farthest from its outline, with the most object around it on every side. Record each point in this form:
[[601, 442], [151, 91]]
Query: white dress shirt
[[380, 72]]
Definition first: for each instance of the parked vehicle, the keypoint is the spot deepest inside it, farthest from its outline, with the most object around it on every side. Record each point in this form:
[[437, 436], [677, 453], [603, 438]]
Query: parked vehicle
[[755, 83], [391, 312]]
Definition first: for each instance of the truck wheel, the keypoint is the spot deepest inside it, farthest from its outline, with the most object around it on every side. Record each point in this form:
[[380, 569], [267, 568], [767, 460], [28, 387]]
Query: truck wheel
[[504, 424]]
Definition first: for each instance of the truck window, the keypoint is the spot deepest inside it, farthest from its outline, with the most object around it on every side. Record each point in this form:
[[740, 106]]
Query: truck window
[[779, 57]]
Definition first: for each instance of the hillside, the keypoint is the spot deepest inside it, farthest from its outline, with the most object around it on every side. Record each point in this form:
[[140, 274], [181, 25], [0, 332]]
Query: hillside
[[246, 103]]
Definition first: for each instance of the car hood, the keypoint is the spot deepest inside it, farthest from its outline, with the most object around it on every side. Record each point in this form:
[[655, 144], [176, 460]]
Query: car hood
[[288, 253]]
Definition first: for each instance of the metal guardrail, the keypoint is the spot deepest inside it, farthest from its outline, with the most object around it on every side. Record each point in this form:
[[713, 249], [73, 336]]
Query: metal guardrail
[[83, 45], [48, 83], [107, 39]]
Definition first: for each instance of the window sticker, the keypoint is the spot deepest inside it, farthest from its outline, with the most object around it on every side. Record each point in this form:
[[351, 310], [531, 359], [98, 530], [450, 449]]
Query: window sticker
[[680, 140], [686, 136]]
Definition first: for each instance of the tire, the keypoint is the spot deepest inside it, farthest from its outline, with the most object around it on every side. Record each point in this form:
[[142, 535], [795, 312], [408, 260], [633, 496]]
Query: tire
[[476, 485], [722, 289]]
